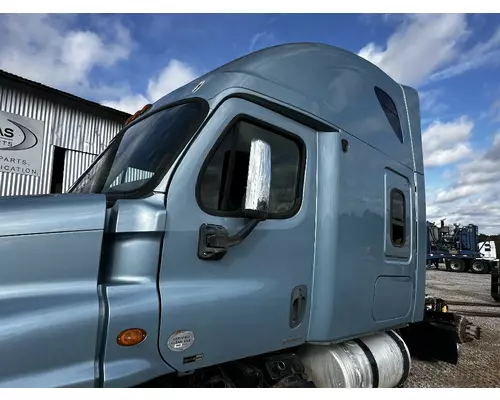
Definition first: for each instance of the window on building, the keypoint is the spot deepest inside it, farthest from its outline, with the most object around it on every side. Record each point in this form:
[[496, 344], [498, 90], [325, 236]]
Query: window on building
[[390, 112], [398, 218], [222, 183]]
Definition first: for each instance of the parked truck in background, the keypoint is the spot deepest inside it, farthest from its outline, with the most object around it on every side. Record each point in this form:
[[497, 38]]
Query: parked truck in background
[[488, 251], [216, 241], [459, 248]]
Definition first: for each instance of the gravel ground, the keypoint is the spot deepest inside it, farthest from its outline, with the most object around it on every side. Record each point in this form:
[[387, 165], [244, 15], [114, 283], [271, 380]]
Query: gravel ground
[[479, 363]]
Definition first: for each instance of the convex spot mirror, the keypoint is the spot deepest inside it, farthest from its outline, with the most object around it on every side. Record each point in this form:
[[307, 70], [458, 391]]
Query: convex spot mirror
[[258, 181]]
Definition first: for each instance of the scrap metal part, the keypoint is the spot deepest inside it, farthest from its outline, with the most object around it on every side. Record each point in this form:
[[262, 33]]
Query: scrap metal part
[[466, 331], [441, 332], [435, 304]]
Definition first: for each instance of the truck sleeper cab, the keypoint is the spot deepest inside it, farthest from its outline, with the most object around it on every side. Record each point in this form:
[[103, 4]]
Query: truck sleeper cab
[[275, 206]]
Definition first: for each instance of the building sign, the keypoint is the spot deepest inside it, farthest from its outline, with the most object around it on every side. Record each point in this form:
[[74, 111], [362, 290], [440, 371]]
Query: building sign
[[21, 143]]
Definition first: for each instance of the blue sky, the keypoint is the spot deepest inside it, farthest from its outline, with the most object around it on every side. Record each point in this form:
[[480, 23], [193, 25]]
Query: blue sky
[[453, 60]]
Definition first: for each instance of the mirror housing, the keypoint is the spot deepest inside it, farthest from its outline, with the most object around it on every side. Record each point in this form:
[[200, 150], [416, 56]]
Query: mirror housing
[[258, 181], [214, 240]]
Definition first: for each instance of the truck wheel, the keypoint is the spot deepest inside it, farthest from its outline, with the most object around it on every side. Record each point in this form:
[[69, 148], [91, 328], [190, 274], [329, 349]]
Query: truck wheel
[[457, 266], [479, 267]]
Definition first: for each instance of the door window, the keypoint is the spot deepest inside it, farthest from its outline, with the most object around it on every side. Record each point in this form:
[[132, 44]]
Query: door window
[[222, 182]]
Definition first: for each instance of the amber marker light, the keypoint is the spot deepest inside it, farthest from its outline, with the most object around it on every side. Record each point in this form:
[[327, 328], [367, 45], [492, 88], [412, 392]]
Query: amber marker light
[[131, 337]]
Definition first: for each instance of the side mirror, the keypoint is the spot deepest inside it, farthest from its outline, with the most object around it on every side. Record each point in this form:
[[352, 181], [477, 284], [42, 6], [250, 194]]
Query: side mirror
[[258, 181], [214, 240]]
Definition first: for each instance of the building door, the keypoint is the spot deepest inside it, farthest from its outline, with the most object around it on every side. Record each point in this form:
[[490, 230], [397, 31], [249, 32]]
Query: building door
[[56, 185]]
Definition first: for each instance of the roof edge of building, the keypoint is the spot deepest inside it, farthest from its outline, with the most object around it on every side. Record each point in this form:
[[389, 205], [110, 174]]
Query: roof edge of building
[[61, 94]]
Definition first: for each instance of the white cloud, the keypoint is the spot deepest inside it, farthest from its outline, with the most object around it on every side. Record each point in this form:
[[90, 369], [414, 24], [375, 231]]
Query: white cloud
[[451, 155], [261, 40], [433, 213], [479, 55], [452, 194], [50, 50], [129, 103], [173, 76], [420, 46], [429, 101], [494, 111], [47, 49], [430, 47], [496, 142], [447, 142], [472, 194]]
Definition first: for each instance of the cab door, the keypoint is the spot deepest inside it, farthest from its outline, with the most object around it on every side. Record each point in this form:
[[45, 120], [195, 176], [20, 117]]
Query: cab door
[[256, 298]]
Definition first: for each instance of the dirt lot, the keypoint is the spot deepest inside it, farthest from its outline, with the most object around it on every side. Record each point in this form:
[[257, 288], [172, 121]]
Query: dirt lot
[[479, 364]]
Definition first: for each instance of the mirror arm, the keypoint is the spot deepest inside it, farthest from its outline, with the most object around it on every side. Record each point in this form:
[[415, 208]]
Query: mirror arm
[[243, 233], [214, 240]]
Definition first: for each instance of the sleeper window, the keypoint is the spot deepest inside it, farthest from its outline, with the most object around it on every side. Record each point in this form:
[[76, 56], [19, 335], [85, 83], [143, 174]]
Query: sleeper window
[[390, 112], [223, 182], [398, 220]]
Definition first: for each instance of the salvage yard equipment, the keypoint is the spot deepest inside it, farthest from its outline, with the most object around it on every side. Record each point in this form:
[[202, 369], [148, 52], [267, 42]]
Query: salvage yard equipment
[[458, 247]]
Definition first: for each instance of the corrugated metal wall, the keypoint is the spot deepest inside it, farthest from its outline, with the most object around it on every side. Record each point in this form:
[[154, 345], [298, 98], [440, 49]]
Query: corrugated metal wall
[[72, 129], [75, 164]]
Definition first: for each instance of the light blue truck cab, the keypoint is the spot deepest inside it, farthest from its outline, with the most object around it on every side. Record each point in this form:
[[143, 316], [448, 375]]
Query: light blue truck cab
[[272, 210]]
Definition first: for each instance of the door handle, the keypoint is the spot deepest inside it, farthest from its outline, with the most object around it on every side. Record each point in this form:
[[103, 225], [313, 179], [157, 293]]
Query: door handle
[[298, 305]]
